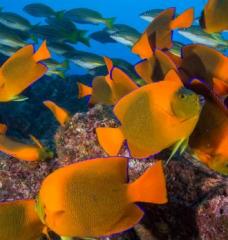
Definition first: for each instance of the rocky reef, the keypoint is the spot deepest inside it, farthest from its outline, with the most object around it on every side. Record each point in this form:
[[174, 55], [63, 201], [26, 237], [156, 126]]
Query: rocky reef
[[198, 201]]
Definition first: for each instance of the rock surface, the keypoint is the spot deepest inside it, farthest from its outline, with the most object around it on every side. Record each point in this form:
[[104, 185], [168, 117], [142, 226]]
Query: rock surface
[[198, 202]]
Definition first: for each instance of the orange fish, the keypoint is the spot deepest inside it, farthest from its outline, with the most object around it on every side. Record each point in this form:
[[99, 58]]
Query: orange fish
[[207, 64], [21, 70], [92, 198], [214, 16], [159, 33], [110, 88], [154, 117], [18, 220], [22, 151], [61, 115], [155, 68], [209, 140]]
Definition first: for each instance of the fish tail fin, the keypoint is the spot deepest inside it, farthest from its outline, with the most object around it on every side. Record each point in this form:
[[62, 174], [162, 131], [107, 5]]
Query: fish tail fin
[[83, 90], [184, 20], [3, 128], [150, 187], [83, 38], [42, 53], [110, 139], [109, 22]]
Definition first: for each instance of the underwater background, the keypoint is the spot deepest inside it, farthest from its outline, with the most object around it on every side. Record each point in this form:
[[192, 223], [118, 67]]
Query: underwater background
[[196, 191]]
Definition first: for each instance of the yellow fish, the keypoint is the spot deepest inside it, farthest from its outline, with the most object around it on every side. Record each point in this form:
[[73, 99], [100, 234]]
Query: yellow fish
[[154, 117], [209, 141], [19, 221], [110, 88], [155, 68], [158, 35], [21, 70], [214, 16], [22, 151], [61, 115], [93, 198]]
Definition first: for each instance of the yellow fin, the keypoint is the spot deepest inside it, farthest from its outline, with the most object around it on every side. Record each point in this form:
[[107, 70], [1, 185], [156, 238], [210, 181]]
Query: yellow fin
[[150, 187], [42, 53], [61, 115], [3, 128], [83, 90], [184, 20], [110, 139]]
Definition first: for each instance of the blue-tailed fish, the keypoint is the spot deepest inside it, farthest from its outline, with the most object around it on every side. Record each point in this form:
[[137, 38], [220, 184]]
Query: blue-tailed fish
[[61, 114], [93, 198], [21, 70], [18, 220], [22, 151], [153, 118]]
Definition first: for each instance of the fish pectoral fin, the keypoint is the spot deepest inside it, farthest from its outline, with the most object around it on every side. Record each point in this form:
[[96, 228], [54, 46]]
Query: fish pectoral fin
[[110, 139], [66, 238], [184, 20], [131, 216], [180, 146], [150, 187], [20, 98]]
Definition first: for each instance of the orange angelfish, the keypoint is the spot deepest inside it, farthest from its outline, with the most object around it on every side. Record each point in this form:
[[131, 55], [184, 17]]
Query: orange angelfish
[[206, 64], [18, 220], [22, 151], [209, 141], [159, 33], [153, 117], [214, 16], [92, 198], [155, 68], [110, 88], [21, 70], [61, 115]]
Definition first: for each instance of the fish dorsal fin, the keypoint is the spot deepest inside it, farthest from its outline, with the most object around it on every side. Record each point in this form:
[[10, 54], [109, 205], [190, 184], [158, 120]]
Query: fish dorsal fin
[[42, 53], [3, 128], [145, 69], [142, 47], [184, 20], [36, 141], [150, 187], [108, 63], [122, 83], [84, 90], [172, 76]]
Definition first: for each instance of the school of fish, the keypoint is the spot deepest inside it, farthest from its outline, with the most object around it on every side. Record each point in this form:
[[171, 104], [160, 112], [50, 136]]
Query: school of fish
[[176, 103]]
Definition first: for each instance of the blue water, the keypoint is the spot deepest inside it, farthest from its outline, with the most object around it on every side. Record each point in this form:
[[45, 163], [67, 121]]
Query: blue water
[[125, 11]]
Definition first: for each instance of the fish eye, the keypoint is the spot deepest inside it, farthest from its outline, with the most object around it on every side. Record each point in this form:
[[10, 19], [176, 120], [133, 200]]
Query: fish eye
[[182, 96]]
